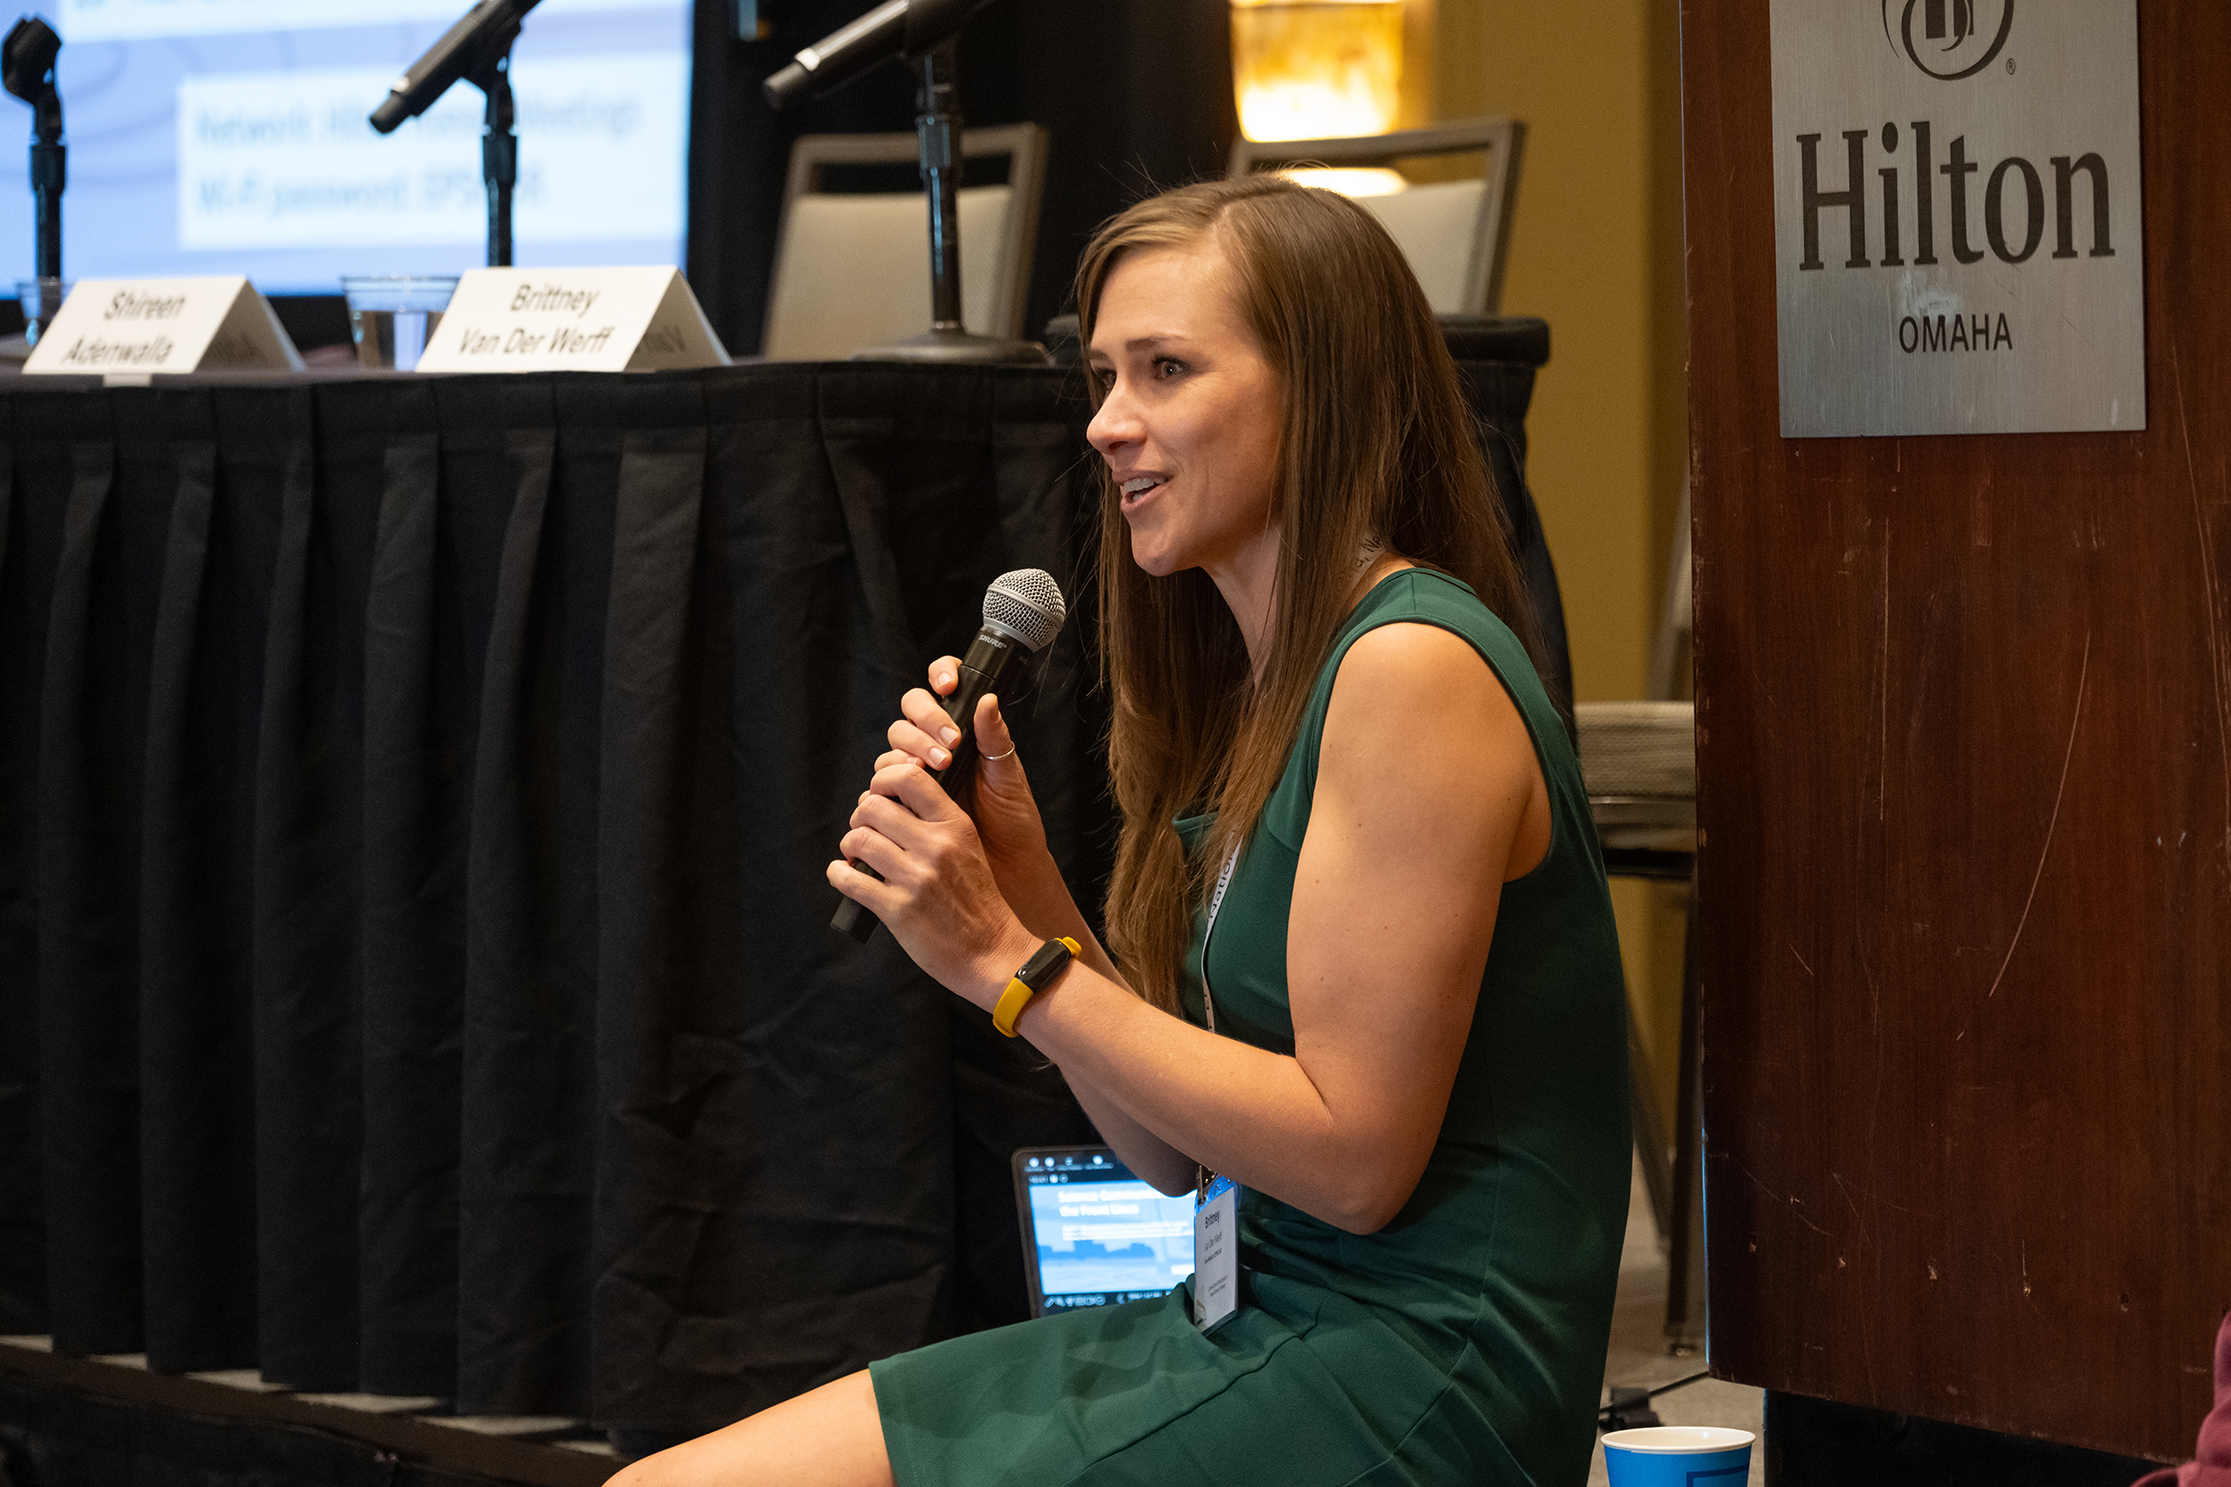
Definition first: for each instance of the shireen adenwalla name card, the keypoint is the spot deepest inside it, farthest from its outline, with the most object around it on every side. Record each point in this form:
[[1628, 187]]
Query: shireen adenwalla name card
[[142, 326]]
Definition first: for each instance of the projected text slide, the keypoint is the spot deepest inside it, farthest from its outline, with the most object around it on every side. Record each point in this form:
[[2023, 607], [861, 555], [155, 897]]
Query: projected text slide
[[287, 159], [153, 20]]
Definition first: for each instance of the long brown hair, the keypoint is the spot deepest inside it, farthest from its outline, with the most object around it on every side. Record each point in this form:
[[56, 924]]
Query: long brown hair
[[1377, 441]]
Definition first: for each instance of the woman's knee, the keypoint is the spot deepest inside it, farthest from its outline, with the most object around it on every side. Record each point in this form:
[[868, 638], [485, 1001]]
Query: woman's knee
[[827, 1437], [644, 1473]]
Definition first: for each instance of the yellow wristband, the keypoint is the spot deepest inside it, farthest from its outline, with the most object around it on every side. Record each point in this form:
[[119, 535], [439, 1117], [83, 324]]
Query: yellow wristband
[[1036, 973], [1011, 1003]]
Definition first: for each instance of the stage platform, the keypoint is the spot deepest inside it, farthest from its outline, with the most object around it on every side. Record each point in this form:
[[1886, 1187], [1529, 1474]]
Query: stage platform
[[89, 1422]]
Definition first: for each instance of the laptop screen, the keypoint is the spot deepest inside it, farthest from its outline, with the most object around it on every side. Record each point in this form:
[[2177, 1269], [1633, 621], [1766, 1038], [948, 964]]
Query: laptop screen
[[1093, 1234]]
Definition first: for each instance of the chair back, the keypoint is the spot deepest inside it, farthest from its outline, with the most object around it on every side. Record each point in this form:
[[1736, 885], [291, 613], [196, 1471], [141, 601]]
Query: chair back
[[1670, 657], [1455, 233], [852, 269]]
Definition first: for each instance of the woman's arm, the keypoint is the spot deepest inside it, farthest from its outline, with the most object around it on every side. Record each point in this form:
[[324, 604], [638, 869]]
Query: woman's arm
[[1048, 909], [1013, 839], [1428, 798]]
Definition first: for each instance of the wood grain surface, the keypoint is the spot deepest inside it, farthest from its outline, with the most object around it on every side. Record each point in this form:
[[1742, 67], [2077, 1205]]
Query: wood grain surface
[[1964, 776]]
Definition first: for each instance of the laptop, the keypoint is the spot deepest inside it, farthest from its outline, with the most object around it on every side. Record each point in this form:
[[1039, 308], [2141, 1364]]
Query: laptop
[[1093, 1234]]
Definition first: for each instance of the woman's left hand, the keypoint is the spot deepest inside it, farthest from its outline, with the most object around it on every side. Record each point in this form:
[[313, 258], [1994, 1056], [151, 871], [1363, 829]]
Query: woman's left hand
[[937, 896]]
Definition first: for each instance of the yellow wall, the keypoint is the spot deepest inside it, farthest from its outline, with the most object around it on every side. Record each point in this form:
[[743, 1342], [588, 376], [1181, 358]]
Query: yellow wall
[[1596, 251]]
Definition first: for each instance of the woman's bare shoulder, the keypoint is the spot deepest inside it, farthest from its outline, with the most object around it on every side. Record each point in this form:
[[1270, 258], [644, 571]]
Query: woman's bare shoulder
[[1426, 668], [1422, 731]]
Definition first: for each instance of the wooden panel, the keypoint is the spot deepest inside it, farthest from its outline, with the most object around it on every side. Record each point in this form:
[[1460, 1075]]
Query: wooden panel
[[1964, 725]]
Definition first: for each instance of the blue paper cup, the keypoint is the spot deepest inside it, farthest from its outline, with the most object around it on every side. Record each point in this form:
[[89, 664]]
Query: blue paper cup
[[1678, 1456]]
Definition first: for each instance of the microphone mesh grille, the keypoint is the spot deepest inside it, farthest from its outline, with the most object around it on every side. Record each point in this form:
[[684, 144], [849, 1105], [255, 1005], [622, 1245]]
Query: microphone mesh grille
[[1027, 604]]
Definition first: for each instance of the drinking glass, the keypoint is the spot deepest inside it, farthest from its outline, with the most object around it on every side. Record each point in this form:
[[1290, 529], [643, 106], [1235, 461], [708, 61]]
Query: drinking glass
[[391, 316]]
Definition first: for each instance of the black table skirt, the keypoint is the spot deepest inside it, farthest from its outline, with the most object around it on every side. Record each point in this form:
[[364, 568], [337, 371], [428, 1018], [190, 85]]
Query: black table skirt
[[414, 796]]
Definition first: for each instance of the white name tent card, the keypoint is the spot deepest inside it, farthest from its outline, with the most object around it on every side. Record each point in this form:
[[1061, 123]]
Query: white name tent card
[[572, 320], [135, 327]]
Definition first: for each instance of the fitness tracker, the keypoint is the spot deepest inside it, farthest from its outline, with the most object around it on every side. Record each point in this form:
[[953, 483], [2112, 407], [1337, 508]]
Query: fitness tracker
[[1036, 975]]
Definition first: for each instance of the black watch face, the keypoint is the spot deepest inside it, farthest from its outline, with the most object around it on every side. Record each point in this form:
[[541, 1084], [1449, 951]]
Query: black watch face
[[1050, 955]]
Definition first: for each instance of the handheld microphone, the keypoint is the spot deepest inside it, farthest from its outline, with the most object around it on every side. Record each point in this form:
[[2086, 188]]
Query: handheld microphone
[[896, 28], [1023, 611], [488, 27]]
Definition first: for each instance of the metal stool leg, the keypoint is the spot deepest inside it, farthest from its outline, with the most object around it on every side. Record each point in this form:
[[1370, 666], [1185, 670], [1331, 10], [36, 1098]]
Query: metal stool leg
[[1684, 1229], [1652, 1151]]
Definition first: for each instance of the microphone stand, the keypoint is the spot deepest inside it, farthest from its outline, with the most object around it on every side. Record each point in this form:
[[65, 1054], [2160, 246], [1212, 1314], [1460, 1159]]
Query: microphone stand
[[49, 174], [477, 50], [937, 126], [499, 142], [27, 59]]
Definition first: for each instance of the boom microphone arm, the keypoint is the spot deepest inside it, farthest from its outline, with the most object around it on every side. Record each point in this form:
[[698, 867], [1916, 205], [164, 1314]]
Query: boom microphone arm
[[897, 28], [485, 33], [478, 50], [927, 34]]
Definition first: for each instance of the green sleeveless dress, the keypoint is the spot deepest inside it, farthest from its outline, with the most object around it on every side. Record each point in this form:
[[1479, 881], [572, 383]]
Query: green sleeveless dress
[[1463, 1343]]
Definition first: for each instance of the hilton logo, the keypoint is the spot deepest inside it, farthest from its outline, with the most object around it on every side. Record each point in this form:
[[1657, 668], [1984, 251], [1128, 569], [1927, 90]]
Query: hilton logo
[[1959, 243], [1951, 36], [1923, 198]]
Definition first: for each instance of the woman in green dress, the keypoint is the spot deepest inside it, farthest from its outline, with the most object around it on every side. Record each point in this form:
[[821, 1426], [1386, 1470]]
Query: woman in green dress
[[1326, 723]]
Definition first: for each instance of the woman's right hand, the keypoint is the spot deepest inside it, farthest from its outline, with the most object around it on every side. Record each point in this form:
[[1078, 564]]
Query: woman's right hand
[[1005, 812], [1013, 838]]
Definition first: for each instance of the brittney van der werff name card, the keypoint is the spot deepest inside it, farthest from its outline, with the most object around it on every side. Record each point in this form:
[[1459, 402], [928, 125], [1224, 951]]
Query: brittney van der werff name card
[[585, 320]]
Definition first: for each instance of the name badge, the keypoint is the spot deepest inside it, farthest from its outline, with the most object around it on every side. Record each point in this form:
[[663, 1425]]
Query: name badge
[[1215, 1254], [572, 320], [126, 330]]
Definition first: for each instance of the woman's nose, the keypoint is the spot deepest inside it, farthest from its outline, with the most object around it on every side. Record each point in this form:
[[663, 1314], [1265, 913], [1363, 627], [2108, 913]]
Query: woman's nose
[[1115, 424]]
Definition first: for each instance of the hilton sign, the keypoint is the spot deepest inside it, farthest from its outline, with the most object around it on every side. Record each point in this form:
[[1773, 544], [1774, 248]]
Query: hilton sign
[[1956, 216]]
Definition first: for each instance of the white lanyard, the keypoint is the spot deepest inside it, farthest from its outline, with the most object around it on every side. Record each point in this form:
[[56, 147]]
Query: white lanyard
[[1215, 1265], [1216, 901]]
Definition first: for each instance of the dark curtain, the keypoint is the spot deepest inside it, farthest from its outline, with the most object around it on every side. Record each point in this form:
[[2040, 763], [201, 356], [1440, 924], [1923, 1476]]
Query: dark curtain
[[414, 972], [414, 799], [1135, 94]]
